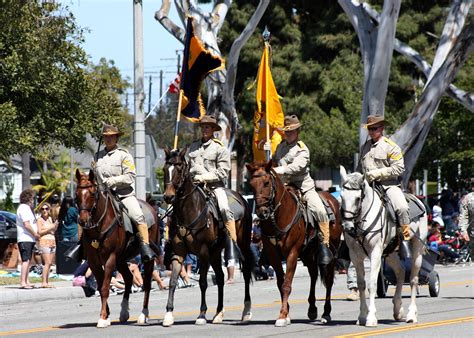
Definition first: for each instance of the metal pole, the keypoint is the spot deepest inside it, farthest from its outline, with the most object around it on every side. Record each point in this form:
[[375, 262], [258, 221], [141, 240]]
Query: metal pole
[[178, 117], [161, 88], [150, 83], [266, 38], [139, 125]]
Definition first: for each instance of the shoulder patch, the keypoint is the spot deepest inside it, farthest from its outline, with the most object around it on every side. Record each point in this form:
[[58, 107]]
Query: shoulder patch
[[301, 144], [389, 141], [219, 142]]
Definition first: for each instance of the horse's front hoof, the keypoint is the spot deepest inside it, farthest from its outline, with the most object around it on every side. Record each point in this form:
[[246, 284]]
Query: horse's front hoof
[[142, 319], [201, 321], [412, 318], [371, 322], [218, 318], [168, 320], [281, 322], [124, 316], [313, 314], [247, 317], [325, 319], [399, 316], [103, 323]]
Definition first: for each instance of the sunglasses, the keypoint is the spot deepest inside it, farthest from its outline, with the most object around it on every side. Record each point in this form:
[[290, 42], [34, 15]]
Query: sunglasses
[[374, 128], [44, 208]]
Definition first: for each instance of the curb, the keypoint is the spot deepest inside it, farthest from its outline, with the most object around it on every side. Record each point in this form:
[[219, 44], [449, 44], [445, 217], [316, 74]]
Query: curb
[[13, 294]]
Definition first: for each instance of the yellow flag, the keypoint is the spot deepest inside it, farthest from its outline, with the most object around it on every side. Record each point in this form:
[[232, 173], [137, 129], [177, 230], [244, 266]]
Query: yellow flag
[[268, 109]]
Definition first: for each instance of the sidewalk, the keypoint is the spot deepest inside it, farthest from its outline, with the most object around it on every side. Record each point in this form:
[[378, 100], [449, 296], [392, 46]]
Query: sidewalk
[[10, 294]]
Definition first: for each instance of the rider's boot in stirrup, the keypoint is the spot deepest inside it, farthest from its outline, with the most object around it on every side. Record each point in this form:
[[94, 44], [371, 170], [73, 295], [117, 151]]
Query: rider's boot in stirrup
[[145, 251], [325, 255], [404, 251], [231, 232], [75, 252]]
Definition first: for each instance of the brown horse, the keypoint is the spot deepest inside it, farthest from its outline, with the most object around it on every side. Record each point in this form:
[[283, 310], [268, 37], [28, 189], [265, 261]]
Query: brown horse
[[195, 229], [108, 245], [284, 231]]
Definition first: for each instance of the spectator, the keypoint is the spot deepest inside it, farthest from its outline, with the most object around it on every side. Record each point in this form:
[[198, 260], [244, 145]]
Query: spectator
[[449, 210], [83, 277], [437, 213], [158, 273], [27, 234], [68, 219], [352, 283], [47, 242], [436, 243]]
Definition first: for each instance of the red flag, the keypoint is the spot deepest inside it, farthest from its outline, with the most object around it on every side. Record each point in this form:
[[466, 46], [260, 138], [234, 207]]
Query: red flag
[[174, 86]]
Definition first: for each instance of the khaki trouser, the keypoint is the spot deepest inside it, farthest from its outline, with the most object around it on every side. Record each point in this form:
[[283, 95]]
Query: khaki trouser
[[223, 204], [133, 209], [316, 206], [399, 202]]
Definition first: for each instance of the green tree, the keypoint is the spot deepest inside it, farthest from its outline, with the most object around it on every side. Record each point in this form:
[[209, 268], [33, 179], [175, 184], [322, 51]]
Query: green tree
[[49, 94]]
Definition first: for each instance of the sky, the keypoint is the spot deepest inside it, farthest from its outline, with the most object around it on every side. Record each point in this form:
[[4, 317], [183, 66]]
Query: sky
[[111, 36]]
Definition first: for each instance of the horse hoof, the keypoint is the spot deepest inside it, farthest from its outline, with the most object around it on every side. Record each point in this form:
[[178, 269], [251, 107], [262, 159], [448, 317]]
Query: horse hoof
[[142, 319], [218, 318], [201, 321], [371, 323], [325, 319], [168, 320], [247, 317], [124, 317], [103, 323], [288, 320], [411, 318], [312, 315], [281, 322]]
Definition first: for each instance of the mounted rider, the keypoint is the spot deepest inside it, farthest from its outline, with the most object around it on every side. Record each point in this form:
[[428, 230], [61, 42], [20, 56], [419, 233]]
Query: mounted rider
[[291, 161], [381, 160], [209, 163], [115, 169]]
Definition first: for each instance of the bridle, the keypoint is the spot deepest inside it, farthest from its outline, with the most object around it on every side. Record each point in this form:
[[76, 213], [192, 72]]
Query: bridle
[[89, 223], [268, 200]]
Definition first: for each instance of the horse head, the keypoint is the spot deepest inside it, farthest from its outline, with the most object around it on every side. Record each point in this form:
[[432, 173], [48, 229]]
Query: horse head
[[86, 196], [175, 171], [262, 185], [352, 194]]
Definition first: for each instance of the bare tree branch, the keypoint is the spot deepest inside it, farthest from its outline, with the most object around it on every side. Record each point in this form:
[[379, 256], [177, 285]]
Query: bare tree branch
[[162, 17], [412, 134], [464, 98]]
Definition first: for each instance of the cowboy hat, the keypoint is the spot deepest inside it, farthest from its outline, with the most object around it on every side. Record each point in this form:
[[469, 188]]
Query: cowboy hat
[[374, 119], [210, 120], [108, 129], [291, 123]]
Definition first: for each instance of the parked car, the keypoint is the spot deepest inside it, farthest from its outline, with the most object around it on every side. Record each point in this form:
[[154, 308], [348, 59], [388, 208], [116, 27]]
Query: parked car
[[7, 226]]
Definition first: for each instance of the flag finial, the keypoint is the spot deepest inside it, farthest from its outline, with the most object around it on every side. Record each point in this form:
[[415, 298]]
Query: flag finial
[[266, 35]]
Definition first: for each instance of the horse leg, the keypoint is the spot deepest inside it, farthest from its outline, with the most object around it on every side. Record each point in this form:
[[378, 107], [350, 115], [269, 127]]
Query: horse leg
[[98, 271], [176, 265], [394, 261], [275, 261], [247, 267], [203, 269], [148, 267], [357, 259], [375, 263], [328, 282], [291, 260], [416, 261], [128, 279], [217, 267], [313, 273], [104, 320]]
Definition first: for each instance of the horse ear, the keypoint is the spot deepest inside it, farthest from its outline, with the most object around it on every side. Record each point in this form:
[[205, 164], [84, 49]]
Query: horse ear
[[268, 165], [78, 174], [167, 152], [183, 151], [343, 173], [91, 175], [250, 167]]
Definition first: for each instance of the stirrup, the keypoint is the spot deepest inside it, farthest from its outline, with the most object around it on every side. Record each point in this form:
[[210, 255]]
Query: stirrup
[[146, 252], [404, 250], [74, 253], [324, 255]]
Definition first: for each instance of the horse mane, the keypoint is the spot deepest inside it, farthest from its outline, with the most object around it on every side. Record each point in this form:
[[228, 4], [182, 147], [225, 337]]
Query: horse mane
[[354, 180]]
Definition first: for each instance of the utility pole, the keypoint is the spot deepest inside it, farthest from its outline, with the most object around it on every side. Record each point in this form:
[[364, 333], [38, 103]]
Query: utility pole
[[139, 125], [149, 92], [161, 89], [179, 59]]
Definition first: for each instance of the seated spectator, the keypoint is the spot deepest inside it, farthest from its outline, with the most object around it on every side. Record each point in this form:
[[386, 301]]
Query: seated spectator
[[83, 277], [436, 242], [158, 273], [47, 242]]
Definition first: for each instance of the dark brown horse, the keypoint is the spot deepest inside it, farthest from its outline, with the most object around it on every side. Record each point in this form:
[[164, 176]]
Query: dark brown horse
[[108, 245], [195, 229], [284, 231]]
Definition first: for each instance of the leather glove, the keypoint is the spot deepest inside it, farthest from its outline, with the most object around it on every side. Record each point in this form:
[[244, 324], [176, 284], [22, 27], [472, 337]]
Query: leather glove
[[267, 146], [374, 175], [109, 182], [279, 170]]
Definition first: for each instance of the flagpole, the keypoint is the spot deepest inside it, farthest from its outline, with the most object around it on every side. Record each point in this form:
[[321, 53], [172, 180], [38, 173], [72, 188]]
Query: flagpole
[[266, 39], [159, 100], [178, 117]]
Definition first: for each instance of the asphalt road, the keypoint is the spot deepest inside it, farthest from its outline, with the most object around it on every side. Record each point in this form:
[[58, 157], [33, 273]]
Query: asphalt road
[[449, 315]]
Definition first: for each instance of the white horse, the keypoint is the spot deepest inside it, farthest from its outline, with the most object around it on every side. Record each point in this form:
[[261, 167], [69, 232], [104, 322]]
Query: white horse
[[362, 208]]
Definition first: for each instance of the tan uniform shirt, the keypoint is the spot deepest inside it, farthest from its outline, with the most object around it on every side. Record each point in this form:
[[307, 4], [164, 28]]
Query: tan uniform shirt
[[384, 154], [211, 159], [466, 214], [118, 166], [294, 160]]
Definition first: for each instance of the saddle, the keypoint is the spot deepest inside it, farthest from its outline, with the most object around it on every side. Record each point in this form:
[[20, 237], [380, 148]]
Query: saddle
[[125, 221], [237, 208]]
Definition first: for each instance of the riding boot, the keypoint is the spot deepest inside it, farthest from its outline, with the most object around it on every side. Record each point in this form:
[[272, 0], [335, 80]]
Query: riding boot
[[325, 255], [231, 232], [75, 252], [145, 251]]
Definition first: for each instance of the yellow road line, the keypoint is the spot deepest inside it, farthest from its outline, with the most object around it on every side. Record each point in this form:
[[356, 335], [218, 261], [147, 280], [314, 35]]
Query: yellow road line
[[407, 328], [275, 303]]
